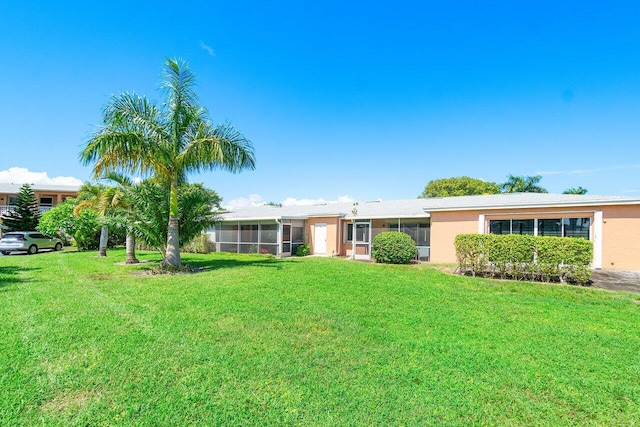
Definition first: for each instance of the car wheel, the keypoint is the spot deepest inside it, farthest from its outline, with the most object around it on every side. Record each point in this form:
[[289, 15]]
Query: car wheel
[[5, 252], [33, 249], [58, 247]]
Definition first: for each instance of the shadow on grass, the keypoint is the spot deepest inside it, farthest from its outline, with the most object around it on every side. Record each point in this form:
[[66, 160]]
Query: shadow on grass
[[9, 275], [217, 264]]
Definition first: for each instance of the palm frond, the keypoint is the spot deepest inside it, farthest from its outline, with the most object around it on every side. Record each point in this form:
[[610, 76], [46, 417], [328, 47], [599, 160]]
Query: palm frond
[[220, 148]]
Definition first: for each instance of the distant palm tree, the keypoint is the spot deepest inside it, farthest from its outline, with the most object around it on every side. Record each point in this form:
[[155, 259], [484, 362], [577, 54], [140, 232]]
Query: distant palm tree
[[95, 197], [121, 203], [523, 184], [574, 190], [168, 141]]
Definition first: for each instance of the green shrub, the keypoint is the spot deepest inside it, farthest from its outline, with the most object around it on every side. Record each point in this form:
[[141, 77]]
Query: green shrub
[[525, 257], [392, 247], [303, 250], [199, 245]]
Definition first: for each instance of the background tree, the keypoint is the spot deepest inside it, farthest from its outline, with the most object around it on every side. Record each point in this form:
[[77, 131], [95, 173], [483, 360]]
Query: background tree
[[198, 208], [167, 141], [61, 221], [574, 190], [459, 186], [523, 184], [96, 197], [26, 215]]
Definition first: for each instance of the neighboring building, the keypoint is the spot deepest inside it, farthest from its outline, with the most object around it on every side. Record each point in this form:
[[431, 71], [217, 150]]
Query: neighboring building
[[611, 223], [47, 195]]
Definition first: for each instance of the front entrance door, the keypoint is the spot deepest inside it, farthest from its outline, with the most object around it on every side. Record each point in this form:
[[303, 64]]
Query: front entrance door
[[362, 238], [320, 239]]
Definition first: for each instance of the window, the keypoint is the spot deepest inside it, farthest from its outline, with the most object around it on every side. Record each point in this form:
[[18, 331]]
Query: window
[[13, 200], [46, 201], [522, 226], [576, 227], [550, 227], [509, 226], [500, 226], [557, 227]]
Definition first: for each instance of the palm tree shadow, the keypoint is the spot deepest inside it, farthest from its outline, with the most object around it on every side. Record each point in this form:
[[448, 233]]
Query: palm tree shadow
[[217, 264], [9, 275]]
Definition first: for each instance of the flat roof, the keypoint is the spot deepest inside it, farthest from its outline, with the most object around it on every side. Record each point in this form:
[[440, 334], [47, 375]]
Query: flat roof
[[421, 208], [11, 188]]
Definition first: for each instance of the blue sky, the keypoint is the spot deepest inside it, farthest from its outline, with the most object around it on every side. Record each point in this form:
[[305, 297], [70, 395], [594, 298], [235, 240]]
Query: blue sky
[[351, 100]]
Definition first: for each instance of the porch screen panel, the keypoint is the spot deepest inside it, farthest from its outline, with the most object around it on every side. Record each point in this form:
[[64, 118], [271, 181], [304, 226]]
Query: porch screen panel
[[229, 247], [411, 229], [249, 233], [269, 233], [423, 235], [298, 234], [229, 233]]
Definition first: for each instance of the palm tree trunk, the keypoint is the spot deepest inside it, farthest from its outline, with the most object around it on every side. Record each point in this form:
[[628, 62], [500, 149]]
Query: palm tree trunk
[[104, 238], [172, 255], [131, 249]]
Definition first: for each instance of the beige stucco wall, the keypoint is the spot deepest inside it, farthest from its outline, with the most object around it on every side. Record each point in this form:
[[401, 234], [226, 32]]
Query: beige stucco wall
[[621, 238], [620, 230], [445, 226], [58, 197], [332, 234]]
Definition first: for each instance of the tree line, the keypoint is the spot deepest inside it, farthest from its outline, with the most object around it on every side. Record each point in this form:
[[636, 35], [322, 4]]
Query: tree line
[[466, 186]]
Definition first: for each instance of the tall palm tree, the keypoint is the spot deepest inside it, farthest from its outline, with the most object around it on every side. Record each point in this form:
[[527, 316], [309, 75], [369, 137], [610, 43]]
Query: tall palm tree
[[168, 141], [95, 197], [523, 184]]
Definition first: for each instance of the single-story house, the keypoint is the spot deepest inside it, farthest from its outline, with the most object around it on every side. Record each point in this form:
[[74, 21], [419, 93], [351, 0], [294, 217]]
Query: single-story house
[[47, 196], [337, 229]]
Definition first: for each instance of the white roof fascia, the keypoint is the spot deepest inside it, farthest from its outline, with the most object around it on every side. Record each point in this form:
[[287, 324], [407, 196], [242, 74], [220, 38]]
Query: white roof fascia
[[536, 205]]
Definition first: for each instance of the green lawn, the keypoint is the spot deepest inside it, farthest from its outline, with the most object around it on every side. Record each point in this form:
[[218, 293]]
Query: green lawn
[[261, 341]]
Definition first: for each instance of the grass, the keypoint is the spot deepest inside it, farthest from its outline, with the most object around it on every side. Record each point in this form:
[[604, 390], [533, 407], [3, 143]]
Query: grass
[[262, 341]]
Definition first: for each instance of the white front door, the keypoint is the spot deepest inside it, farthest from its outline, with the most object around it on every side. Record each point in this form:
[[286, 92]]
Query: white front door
[[320, 239]]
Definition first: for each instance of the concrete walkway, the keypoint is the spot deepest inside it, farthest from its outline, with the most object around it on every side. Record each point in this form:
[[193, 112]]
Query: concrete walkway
[[616, 280]]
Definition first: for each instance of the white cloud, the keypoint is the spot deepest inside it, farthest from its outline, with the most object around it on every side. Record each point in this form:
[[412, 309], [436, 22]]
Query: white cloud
[[291, 201], [588, 171], [244, 202], [209, 49], [17, 175]]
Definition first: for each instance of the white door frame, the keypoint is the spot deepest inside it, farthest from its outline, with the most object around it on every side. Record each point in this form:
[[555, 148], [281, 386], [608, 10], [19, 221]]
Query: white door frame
[[366, 242]]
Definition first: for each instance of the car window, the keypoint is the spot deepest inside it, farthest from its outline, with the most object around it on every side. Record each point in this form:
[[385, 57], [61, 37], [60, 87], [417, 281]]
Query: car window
[[13, 236], [36, 236]]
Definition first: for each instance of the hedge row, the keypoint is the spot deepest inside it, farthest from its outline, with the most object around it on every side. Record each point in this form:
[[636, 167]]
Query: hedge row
[[540, 258]]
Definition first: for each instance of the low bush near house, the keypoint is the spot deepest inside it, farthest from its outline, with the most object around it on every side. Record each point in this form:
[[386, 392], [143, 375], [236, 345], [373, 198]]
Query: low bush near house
[[391, 247], [515, 256], [303, 250], [199, 245]]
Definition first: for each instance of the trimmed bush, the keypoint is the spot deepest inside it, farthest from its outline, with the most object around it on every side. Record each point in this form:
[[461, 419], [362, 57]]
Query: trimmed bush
[[392, 247], [525, 257], [303, 250], [199, 245]]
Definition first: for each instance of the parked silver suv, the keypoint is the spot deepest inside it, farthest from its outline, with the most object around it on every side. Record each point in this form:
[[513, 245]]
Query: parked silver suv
[[28, 241]]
